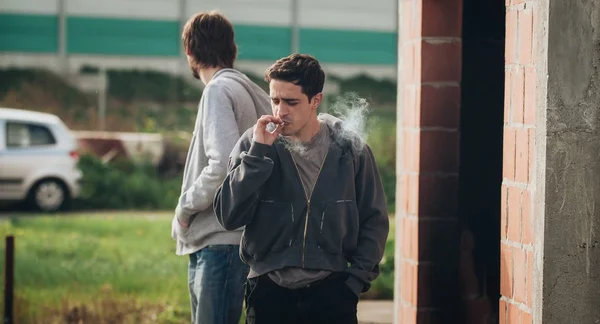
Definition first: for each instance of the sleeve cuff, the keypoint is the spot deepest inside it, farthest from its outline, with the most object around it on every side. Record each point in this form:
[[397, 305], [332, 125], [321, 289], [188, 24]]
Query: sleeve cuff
[[178, 230], [355, 285], [179, 215], [259, 149]]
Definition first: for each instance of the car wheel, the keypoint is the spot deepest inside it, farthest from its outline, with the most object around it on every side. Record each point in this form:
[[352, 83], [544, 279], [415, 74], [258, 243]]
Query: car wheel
[[48, 195]]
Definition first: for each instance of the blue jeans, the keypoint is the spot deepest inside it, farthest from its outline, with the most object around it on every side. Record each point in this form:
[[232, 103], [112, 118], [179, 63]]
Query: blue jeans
[[216, 280]]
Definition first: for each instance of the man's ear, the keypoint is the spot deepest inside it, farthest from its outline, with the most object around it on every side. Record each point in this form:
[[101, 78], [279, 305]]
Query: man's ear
[[316, 100], [187, 51]]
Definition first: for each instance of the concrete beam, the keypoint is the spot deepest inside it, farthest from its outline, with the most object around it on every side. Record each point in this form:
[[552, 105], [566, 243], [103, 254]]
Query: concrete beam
[[571, 173]]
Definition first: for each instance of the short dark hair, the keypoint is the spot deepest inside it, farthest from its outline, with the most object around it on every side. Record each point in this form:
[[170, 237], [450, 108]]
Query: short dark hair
[[209, 38], [299, 69]]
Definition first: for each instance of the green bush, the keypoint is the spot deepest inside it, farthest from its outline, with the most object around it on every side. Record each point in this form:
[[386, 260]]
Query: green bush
[[125, 185], [36, 87], [258, 79], [383, 286], [382, 140], [379, 92], [131, 85]]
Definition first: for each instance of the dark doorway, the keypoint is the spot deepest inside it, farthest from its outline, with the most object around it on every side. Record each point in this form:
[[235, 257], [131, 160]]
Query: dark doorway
[[482, 118]]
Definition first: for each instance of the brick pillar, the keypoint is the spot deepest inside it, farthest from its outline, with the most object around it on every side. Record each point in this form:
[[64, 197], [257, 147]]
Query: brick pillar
[[429, 78], [518, 185]]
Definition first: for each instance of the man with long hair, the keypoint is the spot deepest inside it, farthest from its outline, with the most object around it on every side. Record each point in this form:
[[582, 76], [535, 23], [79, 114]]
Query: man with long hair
[[230, 104]]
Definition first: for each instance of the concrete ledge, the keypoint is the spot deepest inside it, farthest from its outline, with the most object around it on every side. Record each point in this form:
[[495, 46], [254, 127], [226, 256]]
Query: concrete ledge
[[375, 312]]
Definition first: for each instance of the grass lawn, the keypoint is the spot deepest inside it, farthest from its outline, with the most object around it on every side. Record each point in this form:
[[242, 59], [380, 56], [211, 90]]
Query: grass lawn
[[105, 268]]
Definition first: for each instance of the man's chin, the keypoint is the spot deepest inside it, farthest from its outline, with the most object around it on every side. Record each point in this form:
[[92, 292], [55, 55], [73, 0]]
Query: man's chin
[[286, 131], [195, 74]]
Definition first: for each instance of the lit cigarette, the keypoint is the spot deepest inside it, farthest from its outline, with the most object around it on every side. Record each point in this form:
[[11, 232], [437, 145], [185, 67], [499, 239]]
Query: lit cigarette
[[271, 127]]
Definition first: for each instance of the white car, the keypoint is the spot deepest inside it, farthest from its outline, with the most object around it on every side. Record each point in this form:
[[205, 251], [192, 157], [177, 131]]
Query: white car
[[38, 160]]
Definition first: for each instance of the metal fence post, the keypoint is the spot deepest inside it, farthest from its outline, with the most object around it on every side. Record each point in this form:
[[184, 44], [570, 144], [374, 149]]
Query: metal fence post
[[9, 272]]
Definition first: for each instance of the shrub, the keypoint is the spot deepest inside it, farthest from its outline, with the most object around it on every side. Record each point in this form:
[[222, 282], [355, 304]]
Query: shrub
[[125, 185], [382, 140], [37, 88], [383, 286], [131, 85], [135, 85], [258, 79], [379, 92]]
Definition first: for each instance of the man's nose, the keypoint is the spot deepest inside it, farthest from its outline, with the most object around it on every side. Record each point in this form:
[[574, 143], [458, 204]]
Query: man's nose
[[282, 110]]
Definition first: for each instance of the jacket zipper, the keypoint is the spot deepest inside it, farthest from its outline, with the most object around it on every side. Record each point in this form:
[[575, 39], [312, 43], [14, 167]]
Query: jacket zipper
[[308, 200]]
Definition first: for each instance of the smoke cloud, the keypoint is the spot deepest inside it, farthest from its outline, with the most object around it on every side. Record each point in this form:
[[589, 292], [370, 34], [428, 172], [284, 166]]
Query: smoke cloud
[[352, 111], [295, 147]]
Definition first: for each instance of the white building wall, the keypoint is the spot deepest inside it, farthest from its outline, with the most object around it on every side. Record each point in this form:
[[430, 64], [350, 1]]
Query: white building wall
[[44, 7], [252, 12], [137, 9], [375, 15]]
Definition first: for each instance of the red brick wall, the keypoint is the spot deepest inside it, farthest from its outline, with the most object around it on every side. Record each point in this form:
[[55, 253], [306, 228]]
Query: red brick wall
[[429, 115], [516, 250]]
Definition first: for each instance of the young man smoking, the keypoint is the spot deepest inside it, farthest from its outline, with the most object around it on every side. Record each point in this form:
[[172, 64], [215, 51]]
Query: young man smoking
[[310, 197]]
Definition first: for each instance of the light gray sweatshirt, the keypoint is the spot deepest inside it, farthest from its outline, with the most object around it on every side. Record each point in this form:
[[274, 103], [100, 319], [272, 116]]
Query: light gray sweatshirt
[[230, 104]]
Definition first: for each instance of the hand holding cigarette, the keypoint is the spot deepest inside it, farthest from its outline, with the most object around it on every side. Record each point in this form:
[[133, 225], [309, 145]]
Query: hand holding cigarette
[[261, 132]]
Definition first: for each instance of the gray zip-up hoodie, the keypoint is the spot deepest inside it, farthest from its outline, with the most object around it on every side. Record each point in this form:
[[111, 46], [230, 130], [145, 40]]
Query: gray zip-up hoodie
[[230, 104], [341, 227]]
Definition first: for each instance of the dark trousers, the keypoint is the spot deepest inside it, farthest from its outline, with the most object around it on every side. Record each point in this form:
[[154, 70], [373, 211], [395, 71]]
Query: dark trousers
[[328, 301]]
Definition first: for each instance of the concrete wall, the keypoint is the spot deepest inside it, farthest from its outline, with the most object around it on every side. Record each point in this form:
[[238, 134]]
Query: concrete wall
[[571, 265], [551, 239]]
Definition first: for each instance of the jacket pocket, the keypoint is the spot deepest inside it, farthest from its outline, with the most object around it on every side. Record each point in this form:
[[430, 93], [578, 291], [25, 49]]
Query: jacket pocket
[[338, 230], [269, 230]]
